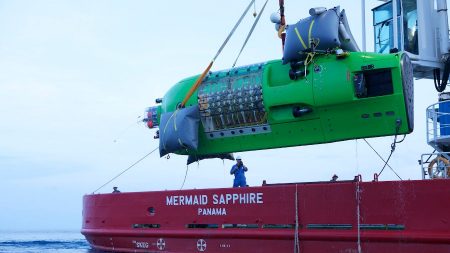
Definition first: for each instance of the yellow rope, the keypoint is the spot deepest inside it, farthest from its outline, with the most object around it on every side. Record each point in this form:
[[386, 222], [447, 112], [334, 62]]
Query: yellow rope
[[309, 58], [300, 38], [310, 30], [281, 30], [167, 124]]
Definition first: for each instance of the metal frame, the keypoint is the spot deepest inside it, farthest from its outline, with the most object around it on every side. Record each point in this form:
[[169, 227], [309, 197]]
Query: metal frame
[[424, 62], [434, 126], [425, 165], [436, 138]]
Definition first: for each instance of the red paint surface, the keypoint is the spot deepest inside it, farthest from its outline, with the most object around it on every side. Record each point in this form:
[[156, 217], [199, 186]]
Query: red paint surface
[[420, 208]]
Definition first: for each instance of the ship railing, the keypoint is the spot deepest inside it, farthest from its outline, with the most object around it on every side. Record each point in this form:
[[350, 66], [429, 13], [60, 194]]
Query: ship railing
[[435, 165], [438, 126]]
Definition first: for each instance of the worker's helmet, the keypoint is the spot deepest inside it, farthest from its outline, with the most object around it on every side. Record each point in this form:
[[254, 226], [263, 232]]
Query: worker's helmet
[[238, 157]]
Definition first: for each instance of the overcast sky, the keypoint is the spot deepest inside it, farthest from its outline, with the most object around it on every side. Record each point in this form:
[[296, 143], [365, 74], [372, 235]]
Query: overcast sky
[[76, 75]]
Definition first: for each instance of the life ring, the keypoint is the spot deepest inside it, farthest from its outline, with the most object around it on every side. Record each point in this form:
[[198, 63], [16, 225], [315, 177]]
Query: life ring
[[435, 169]]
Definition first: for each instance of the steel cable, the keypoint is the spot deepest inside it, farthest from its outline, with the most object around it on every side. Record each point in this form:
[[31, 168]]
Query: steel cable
[[138, 161], [250, 33], [206, 71], [385, 161]]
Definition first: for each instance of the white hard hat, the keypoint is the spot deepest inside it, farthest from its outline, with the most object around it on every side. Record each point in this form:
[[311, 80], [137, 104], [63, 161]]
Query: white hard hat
[[238, 157]]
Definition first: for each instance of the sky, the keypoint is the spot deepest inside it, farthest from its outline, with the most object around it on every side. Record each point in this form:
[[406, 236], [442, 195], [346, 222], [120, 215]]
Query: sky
[[76, 77]]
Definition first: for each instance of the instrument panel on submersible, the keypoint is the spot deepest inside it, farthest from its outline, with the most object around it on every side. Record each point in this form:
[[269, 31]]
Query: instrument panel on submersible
[[231, 103]]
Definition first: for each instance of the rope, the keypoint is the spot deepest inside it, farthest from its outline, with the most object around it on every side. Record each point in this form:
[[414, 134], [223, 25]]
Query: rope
[[167, 124], [185, 176], [356, 156], [296, 239], [234, 29], [300, 38], [358, 214], [309, 58], [281, 31], [126, 129], [126, 170], [250, 32], [397, 129], [200, 78], [389, 157], [196, 84], [386, 162]]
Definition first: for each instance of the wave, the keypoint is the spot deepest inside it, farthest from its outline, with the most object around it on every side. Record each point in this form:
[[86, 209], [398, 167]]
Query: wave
[[46, 244]]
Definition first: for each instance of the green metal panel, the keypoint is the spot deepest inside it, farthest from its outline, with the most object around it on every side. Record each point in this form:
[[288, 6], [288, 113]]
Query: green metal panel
[[328, 90]]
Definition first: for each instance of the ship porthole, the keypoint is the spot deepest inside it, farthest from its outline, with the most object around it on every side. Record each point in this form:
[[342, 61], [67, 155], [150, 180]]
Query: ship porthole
[[151, 210]]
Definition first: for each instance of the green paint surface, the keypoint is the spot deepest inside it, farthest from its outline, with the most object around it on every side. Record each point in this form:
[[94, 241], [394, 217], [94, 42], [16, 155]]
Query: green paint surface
[[328, 90]]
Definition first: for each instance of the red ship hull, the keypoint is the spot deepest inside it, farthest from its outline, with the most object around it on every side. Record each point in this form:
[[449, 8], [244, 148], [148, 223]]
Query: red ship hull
[[393, 216]]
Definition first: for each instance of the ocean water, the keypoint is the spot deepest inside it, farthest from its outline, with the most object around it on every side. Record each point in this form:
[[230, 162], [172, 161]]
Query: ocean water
[[37, 242]]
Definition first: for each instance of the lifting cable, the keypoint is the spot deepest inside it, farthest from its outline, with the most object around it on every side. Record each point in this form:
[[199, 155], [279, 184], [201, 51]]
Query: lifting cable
[[385, 161], [393, 146], [356, 155], [126, 129], [202, 76], [138, 161], [250, 33], [358, 212], [390, 155], [296, 238], [185, 177]]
